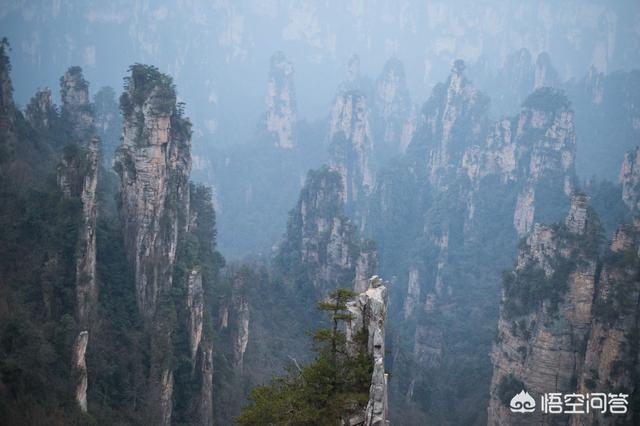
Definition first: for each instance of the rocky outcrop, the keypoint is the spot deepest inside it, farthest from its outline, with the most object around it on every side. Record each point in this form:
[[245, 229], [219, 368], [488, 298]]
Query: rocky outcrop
[[545, 316], [40, 111], [322, 240], [611, 355], [77, 178], [535, 150], [393, 124], [454, 119], [237, 317], [80, 369], [153, 162], [281, 101], [351, 145], [76, 108], [630, 179], [195, 309], [369, 313]]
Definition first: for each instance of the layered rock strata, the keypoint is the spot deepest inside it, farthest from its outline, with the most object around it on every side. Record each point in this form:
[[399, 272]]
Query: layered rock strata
[[369, 313]]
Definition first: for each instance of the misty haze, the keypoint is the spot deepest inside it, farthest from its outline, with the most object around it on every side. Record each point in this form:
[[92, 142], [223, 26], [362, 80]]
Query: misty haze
[[344, 213]]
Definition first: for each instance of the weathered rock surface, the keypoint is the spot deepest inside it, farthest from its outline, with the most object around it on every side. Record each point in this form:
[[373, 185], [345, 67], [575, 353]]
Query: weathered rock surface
[[534, 149], [80, 369], [559, 331], [40, 111], [369, 311], [610, 360], [320, 237], [77, 178], [537, 344], [393, 111], [76, 108], [630, 179], [351, 145], [281, 101], [154, 163]]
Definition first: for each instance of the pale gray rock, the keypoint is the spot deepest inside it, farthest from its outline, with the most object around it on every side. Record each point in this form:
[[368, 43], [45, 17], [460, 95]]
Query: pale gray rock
[[369, 311]]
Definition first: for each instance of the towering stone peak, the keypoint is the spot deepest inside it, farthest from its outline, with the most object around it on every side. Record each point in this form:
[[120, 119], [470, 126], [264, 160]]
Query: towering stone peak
[[281, 101], [169, 237], [76, 108], [630, 179], [40, 111], [545, 73], [392, 95], [610, 357], [235, 318], [626, 237], [576, 221], [78, 178], [355, 80], [351, 145], [546, 312], [369, 313], [321, 240], [6, 87], [74, 89], [454, 119], [394, 123], [546, 139], [538, 143], [153, 163]]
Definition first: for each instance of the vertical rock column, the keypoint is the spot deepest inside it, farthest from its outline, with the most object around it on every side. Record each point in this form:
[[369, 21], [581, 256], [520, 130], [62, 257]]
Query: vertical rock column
[[351, 145], [154, 162], [545, 316], [281, 101], [78, 177], [369, 311]]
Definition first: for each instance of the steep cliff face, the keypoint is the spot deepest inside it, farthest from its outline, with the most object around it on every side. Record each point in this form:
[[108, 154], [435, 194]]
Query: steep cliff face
[[630, 179], [569, 327], [535, 150], [611, 353], [394, 116], [153, 162], [351, 145], [320, 249], [464, 190], [546, 314], [369, 313], [454, 118], [40, 111], [76, 108], [78, 178], [235, 316], [281, 101]]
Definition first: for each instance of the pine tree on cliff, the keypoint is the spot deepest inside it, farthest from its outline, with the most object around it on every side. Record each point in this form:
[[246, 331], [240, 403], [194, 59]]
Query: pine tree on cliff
[[325, 391]]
